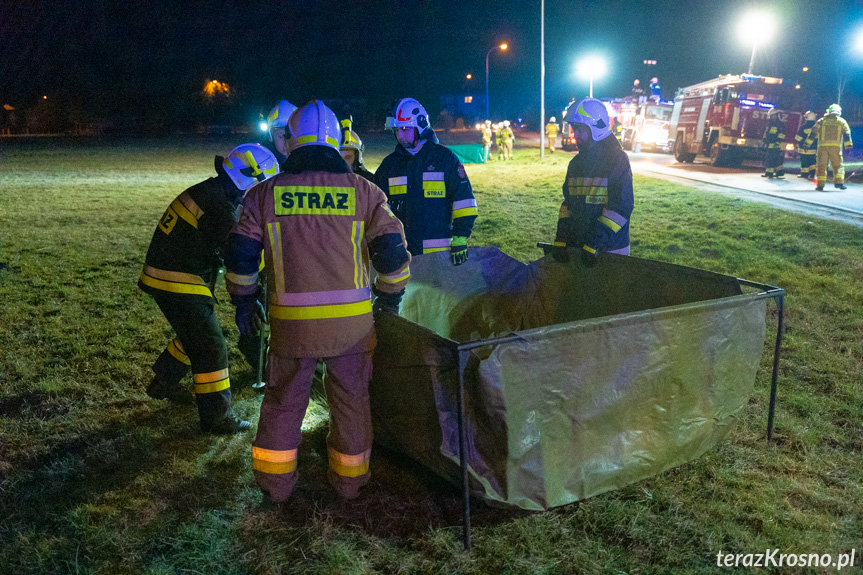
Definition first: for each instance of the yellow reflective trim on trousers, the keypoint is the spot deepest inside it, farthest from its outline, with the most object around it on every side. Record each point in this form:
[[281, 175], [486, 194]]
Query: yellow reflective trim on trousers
[[400, 189], [431, 250], [560, 244], [321, 311], [213, 387], [174, 287], [242, 280], [274, 461], [275, 235], [614, 226], [217, 375], [464, 212], [178, 353], [349, 465], [184, 213]]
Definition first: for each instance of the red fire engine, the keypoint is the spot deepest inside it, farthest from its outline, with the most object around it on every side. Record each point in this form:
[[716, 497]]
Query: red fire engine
[[726, 118]]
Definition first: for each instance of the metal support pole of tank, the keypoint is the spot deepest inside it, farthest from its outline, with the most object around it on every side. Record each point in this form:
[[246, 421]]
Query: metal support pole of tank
[[463, 356]]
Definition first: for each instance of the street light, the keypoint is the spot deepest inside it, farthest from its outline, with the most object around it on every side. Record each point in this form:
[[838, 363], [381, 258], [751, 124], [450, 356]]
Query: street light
[[591, 67], [487, 54], [756, 27]]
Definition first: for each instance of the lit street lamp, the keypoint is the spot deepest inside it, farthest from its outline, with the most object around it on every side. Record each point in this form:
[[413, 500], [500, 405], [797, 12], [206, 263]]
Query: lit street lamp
[[756, 27], [591, 67], [502, 47]]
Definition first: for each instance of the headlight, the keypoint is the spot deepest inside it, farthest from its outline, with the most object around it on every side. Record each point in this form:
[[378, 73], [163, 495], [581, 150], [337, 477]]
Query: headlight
[[789, 147], [741, 141]]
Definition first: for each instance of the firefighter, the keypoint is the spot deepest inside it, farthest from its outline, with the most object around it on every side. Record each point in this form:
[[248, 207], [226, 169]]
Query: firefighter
[[486, 141], [774, 138], [507, 138], [180, 272], [655, 90], [498, 139], [551, 133], [807, 151], [277, 121], [832, 133], [597, 192], [318, 224], [427, 186], [351, 150]]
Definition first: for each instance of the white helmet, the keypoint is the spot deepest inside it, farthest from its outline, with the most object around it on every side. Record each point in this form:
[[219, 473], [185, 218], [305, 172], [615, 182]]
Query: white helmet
[[248, 164], [408, 112], [352, 142], [314, 125], [810, 116], [279, 116], [552, 119], [592, 113], [834, 109], [506, 123]]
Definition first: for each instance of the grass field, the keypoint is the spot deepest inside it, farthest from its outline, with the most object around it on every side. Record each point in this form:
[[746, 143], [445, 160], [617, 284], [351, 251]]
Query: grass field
[[97, 478]]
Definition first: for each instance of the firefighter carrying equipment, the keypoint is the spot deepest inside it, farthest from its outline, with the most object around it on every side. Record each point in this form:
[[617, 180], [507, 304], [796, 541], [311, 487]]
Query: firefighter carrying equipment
[[774, 138], [832, 133], [180, 270], [319, 225], [430, 193], [592, 113], [807, 151], [250, 164], [597, 200]]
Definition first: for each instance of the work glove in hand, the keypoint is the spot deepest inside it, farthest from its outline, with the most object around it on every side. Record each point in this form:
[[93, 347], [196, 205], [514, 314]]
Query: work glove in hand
[[560, 254], [248, 316], [386, 301], [588, 259], [458, 250]]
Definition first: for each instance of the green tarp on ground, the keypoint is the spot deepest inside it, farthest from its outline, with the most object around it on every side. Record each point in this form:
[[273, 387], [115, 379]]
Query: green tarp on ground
[[618, 372], [468, 153]]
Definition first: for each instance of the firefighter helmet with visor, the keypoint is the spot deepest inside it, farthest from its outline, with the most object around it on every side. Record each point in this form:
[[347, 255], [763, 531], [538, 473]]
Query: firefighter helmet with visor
[[408, 113], [835, 109], [279, 116], [314, 125], [248, 164], [352, 142], [592, 113]]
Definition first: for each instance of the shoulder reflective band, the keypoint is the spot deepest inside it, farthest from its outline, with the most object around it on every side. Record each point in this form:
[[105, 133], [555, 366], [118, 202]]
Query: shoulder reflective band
[[349, 465], [398, 185], [274, 461], [174, 282], [211, 382]]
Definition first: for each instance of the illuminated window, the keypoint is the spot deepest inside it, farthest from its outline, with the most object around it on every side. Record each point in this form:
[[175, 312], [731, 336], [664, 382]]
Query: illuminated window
[[468, 99]]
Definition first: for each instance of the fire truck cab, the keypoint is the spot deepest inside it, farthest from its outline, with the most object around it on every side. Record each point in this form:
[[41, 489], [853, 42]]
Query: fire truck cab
[[726, 118], [644, 124]]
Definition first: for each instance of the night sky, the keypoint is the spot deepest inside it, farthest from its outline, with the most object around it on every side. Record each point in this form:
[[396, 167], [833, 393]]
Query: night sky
[[128, 58]]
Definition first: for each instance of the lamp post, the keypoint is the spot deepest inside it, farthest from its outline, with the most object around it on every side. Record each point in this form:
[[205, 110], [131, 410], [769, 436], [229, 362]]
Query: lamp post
[[756, 27], [591, 67], [487, 54]]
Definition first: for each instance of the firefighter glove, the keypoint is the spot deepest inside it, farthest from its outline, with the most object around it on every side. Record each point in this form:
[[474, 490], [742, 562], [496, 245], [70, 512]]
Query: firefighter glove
[[386, 301], [560, 254], [458, 250], [249, 314], [588, 258]]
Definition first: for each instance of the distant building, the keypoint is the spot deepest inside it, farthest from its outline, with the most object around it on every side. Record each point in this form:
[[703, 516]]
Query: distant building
[[470, 107]]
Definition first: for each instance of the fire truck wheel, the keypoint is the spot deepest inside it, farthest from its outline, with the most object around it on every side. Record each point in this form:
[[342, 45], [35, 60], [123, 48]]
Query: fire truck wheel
[[718, 157]]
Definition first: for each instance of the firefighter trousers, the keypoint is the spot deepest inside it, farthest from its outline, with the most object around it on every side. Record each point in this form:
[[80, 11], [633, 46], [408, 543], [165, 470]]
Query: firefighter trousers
[[833, 155], [773, 163], [349, 442], [199, 345], [807, 164]]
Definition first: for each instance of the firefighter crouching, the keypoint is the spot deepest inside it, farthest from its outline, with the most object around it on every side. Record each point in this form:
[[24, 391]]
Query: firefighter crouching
[[551, 133], [427, 186], [807, 150], [775, 140], [597, 192], [180, 272], [318, 225], [832, 133]]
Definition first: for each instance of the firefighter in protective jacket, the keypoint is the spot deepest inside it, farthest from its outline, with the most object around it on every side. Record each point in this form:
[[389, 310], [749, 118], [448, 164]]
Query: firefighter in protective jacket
[[832, 133], [180, 272], [807, 150], [427, 186], [319, 226], [597, 193], [351, 149], [775, 140], [277, 128], [551, 133]]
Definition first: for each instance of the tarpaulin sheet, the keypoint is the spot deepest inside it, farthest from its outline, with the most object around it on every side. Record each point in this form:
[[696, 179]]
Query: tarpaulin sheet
[[468, 153], [615, 372]]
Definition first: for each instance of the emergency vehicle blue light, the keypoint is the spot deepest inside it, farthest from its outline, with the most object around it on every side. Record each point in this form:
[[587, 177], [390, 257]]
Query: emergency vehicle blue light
[[766, 105], [747, 102]]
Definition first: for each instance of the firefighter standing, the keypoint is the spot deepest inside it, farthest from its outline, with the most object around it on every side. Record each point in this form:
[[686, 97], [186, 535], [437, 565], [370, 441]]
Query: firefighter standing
[[277, 122], [775, 140], [551, 133], [832, 133], [807, 151], [351, 150], [498, 138], [506, 138], [318, 224], [597, 192], [427, 186], [180, 271], [486, 140]]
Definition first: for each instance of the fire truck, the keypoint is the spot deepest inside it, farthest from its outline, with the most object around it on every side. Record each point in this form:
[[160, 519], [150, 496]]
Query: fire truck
[[644, 124], [726, 118]]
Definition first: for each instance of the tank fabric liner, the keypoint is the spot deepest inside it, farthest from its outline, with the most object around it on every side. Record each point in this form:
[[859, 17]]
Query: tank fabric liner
[[618, 372]]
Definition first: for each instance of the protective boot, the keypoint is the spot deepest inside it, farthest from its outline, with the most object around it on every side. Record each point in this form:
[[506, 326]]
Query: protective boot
[[161, 389], [226, 426]]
